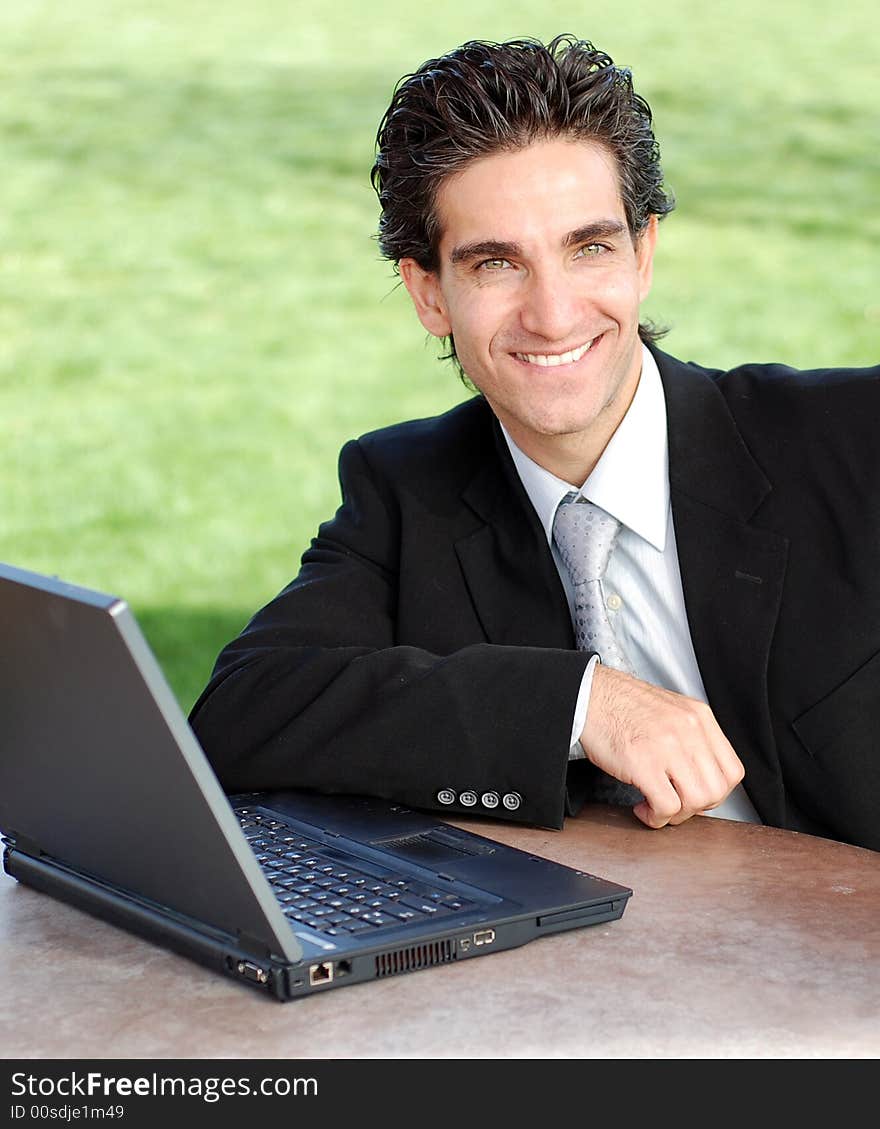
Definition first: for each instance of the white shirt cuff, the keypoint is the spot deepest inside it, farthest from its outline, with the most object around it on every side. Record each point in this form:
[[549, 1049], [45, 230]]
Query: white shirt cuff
[[576, 751]]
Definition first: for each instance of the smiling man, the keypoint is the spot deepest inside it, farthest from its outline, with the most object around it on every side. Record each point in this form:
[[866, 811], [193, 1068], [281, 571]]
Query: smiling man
[[600, 576]]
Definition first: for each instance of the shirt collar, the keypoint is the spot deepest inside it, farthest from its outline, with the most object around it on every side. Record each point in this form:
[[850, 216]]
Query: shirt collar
[[630, 480]]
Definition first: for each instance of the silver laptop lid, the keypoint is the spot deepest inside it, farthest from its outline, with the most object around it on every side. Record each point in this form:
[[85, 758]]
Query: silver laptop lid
[[100, 769]]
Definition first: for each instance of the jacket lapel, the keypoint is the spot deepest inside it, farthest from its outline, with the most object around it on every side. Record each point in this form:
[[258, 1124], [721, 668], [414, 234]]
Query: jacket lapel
[[507, 563], [732, 571]]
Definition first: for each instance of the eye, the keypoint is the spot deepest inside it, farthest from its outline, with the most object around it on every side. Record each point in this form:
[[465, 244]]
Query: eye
[[493, 264], [591, 250]]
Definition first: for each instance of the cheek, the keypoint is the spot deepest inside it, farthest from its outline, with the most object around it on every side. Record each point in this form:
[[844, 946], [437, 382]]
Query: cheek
[[622, 295], [473, 327]]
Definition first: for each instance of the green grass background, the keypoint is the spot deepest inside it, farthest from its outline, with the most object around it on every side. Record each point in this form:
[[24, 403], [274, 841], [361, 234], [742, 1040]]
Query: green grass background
[[193, 312]]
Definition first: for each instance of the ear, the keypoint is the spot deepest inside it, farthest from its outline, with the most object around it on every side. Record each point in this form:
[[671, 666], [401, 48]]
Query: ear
[[645, 247], [427, 297]]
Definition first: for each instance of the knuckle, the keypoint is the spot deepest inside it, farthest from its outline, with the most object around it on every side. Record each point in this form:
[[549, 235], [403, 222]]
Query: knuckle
[[654, 819], [667, 740], [663, 807]]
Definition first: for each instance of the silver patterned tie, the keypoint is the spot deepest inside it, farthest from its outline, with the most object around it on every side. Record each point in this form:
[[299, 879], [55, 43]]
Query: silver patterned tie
[[585, 535]]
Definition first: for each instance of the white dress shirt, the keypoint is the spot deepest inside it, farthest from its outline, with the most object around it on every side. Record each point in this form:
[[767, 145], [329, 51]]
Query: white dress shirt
[[642, 586]]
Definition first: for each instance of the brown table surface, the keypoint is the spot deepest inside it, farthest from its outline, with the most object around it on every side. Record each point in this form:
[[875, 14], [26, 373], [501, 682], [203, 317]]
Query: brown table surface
[[739, 941]]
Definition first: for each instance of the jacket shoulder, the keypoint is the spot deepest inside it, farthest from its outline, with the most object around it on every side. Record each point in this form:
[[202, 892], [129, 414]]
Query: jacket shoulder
[[454, 442], [773, 377], [781, 396], [455, 425], [798, 425]]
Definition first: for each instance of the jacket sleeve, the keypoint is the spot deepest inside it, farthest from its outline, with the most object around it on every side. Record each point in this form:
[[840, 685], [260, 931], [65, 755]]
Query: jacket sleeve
[[320, 692]]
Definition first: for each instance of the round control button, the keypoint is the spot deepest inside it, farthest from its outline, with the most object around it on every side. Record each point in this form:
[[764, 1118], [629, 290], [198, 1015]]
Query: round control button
[[468, 799], [512, 800], [446, 796], [490, 800]]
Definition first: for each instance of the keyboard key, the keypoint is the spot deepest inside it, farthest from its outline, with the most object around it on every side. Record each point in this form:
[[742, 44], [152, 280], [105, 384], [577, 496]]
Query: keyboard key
[[376, 918], [355, 926], [404, 914]]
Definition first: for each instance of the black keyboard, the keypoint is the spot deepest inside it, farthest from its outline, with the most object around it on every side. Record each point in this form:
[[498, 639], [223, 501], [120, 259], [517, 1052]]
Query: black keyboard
[[336, 893]]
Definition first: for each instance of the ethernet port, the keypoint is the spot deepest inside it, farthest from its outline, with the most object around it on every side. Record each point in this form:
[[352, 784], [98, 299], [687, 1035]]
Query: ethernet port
[[321, 973]]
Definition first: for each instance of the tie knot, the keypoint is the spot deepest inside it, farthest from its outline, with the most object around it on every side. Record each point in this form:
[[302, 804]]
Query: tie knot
[[584, 534]]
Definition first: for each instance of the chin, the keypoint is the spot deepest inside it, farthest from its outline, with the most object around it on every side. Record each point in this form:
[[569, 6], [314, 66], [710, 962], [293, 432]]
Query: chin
[[565, 420]]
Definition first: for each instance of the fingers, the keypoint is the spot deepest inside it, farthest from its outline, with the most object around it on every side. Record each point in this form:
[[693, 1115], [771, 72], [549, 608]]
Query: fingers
[[668, 745]]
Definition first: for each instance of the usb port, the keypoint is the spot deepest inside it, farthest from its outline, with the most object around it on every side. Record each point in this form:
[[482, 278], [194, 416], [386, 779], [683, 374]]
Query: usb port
[[484, 937]]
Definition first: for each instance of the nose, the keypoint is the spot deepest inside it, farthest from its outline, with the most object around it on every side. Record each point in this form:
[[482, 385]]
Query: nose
[[551, 307]]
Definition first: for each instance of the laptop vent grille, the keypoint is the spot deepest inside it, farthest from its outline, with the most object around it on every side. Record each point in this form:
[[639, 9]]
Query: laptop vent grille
[[416, 956]]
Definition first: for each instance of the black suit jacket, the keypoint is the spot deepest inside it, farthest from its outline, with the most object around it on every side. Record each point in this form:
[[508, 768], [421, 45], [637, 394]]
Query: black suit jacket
[[426, 643]]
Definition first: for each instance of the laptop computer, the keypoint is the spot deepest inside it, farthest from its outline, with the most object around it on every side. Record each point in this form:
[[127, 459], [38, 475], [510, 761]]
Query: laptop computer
[[108, 802]]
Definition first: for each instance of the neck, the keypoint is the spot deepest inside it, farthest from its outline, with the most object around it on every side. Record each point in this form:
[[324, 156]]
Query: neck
[[566, 456], [572, 456]]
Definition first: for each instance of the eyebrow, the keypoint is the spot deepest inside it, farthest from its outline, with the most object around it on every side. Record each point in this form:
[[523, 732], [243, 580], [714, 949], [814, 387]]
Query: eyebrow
[[502, 249], [601, 229], [485, 249]]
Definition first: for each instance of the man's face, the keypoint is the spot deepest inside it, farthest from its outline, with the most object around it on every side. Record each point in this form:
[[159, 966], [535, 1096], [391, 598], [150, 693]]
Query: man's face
[[540, 283]]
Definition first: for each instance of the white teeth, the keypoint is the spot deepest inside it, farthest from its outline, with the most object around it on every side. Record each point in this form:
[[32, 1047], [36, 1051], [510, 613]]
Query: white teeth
[[550, 360]]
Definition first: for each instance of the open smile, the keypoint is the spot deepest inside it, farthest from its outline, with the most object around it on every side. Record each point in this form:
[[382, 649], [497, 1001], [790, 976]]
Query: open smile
[[552, 360]]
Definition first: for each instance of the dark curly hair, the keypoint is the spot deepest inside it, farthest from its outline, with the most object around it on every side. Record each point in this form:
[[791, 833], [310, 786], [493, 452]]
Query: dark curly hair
[[484, 98]]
